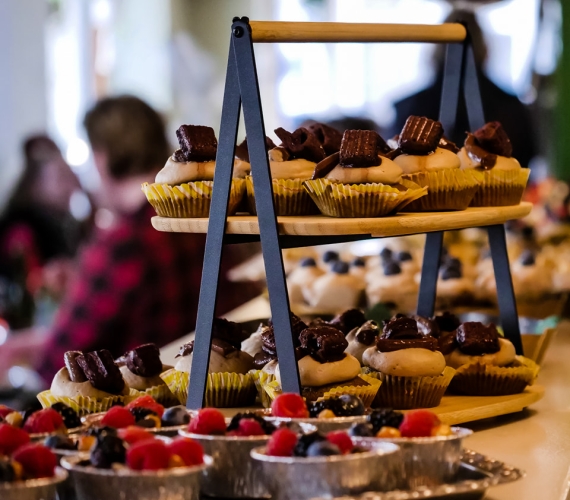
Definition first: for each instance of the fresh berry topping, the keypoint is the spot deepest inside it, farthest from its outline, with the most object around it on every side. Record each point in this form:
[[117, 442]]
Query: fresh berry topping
[[7, 471], [342, 440], [361, 430], [289, 405], [404, 256], [391, 268], [108, 450], [118, 417], [208, 421], [5, 410], [384, 417], [150, 421], [249, 427], [442, 430], [386, 253], [268, 427], [308, 262], [12, 438], [188, 450], [282, 443], [37, 460], [340, 267], [140, 412], [306, 440], [69, 415], [323, 449], [345, 405], [330, 256], [134, 434], [388, 432], [326, 414], [148, 455], [177, 415], [147, 401], [419, 423], [15, 418], [358, 262], [60, 442], [47, 420]]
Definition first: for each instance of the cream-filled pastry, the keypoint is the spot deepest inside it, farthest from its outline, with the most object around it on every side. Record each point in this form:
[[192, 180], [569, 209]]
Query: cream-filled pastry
[[302, 277], [361, 338]]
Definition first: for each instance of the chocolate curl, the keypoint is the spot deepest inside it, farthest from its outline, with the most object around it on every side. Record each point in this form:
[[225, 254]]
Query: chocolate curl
[[445, 143], [242, 151], [144, 361], [420, 135], [75, 372], [359, 149], [324, 343], [197, 142], [100, 369], [326, 166], [477, 154], [301, 144], [328, 136], [493, 138]]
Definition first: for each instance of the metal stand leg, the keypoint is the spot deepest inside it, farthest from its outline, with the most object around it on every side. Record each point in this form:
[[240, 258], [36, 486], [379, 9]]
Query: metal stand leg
[[430, 270], [505, 292], [450, 89]]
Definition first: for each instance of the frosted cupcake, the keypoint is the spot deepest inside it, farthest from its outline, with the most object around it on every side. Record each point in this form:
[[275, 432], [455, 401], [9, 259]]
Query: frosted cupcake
[[429, 160], [360, 181], [302, 277], [489, 151], [390, 285], [412, 370], [183, 188], [361, 338], [453, 287]]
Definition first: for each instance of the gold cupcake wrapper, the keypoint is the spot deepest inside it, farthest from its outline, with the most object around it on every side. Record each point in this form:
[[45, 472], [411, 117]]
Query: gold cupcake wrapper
[[261, 378], [406, 393], [223, 390], [478, 379], [85, 405], [161, 394], [360, 200], [501, 188], [449, 189], [289, 197], [366, 393], [190, 199]]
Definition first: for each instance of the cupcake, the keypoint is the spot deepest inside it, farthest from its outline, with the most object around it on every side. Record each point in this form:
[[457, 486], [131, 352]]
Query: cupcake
[[358, 268], [89, 383], [486, 364], [453, 288], [347, 320], [183, 188], [361, 338], [141, 368], [489, 151], [291, 164], [242, 166], [429, 160], [229, 383], [301, 278], [391, 286], [412, 370], [359, 181]]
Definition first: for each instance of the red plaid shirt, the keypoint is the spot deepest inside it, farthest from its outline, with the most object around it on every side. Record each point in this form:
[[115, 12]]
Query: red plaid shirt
[[134, 285]]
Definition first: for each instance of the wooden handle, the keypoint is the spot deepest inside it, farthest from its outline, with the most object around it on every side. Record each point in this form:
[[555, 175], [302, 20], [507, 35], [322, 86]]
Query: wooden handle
[[288, 32]]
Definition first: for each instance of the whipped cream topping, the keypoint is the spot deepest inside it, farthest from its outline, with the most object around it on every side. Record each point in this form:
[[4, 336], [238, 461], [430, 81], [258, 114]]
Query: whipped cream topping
[[504, 356], [412, 362], [315, 374], [502, 162], [388, 172], [440, 159], [292, 169], [175, 172]]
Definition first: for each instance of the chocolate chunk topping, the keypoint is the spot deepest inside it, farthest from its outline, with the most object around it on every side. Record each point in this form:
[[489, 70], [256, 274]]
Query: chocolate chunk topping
[[329, 137], [340, 267], [323, 343], [242, 151], [308, 262], [447, 343], [445, 143], [75, 372], [179, 156], [475, 338], [326, 166], [144, 361], [198, 143], [100, 369], [297, 326], [348, 320], [359, 148], [420, 135], [427, 326], [477, 154], [447, 322], [401, 328], [389, 345], [230, 332], [261, 359], [527, 258], [185, 349], [222, 347], [391, 268], [301, 144], [492, 137], [367, 333]]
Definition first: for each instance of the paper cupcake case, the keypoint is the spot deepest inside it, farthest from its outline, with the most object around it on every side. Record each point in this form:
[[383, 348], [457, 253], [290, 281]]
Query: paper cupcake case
[[289, 197], [501, 188], [223, 390], [478, 379], [161, 394], [191, 199], [449, 189], [360, 200], [85, 405], [261, 379]]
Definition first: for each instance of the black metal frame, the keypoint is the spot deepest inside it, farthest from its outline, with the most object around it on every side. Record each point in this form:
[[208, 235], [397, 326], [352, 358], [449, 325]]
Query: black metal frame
[[242, 89]]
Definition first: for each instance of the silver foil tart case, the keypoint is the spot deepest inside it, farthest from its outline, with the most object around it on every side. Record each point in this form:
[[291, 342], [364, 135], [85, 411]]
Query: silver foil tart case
[[322, 424], [34, 489]]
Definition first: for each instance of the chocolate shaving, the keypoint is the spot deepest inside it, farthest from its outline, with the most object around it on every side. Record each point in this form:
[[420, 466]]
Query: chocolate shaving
[[326, 166], [185, 349], [301, 144], [477, 154], [420, 135], [329, 137], [197, 142], [445, 143], [242, 151], [492, 137], [359, 149], [144, 361], [475, 339], [75, 372], [100, 369], [324, 343]]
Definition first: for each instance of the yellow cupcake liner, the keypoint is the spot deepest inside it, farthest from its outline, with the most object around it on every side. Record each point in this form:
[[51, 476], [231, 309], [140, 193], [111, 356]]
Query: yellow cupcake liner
[[478, 379], [190, 199], [448, 189], [361, 200], [406, 393], [223, 390], [501, 188], [289, 197], [366, 393], [85, 405], [161, 394], [261, 378]]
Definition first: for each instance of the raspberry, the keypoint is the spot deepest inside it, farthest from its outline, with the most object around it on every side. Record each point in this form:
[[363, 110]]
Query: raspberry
[[133, 434], [188, 450], [37, 460], [419, 423], [342, 440], [289, 405], [282, 443], [118, 417], [148, 455], [268, 427], [12, 438], [249, 427], [208, 421], [147, 402], [4, 410], [47, 420]]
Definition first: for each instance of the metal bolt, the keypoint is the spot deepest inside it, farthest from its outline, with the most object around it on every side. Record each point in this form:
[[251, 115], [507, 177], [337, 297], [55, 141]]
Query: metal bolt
[[238, 31]]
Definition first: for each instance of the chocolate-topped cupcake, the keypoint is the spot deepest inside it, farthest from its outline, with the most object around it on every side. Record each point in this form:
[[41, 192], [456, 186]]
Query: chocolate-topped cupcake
[[390, 285], [488, 150], [361, 338], [453, 287], [302, 277]]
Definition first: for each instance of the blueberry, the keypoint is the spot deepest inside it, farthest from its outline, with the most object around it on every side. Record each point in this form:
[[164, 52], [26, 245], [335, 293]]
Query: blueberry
[[450, 272], [308, 262], [350, 406], [391, 268], [139, 412], [386, 254], [305, 441], [527, 258], [361, 430], [340, 267], [330, 256], [358, 262], [267, 426], [404, 256], [177, 415], [384, 417], [60, 442], [323, 449]]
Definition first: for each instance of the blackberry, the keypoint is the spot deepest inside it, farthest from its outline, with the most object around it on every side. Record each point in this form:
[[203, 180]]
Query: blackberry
[[323, 449], [7, 472], [385, 417], [60, 442], [268, 427], [348, 405], [305, 441], [108, 450], [361, 430], [140, 412], [316, 407], [69, 415], [101, 431]]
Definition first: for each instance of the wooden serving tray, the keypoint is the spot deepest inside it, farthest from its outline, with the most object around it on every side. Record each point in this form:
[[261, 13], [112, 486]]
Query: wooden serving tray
[[397, 225]]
